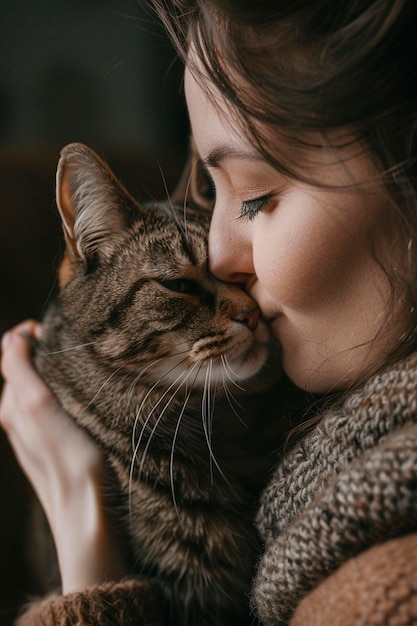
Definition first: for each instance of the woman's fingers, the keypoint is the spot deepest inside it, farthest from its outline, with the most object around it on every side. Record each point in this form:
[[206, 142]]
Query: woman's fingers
[[28, 409], [44, 439], [63, 464], [24, 389]]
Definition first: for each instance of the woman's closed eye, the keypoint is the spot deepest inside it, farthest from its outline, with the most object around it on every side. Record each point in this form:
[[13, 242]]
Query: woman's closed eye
[[250, 208]]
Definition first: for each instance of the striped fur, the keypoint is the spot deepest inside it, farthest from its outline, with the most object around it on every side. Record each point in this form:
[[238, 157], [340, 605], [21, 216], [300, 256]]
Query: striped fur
[[159, 362]]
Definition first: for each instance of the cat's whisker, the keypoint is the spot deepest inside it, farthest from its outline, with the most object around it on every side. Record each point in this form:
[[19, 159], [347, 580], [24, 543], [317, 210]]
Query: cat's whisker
[[131, 393], [150, 391], [141, 373], [169, 211], [103, 386], [205, 406], [182, 228], [185, 375], [136, 445], [230, 373], [145, 451], [174, 440], [180, 352], [226, 379], [214, 393], [133, 461], [81, 345], [205, 417], [207, 384], [231, 400], [155, 362], [164, 183]]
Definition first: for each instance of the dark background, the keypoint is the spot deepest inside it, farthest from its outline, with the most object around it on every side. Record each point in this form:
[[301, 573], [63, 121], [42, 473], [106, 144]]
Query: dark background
[[97, 71]]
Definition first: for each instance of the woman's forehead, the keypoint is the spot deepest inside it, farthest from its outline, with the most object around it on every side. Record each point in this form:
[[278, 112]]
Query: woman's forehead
[[336, 158]]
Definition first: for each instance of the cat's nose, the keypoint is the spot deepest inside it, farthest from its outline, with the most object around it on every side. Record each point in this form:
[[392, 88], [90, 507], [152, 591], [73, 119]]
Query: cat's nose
[[248, 317]]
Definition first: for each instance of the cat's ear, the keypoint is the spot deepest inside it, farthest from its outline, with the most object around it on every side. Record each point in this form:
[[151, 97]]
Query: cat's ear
[[95, 208]]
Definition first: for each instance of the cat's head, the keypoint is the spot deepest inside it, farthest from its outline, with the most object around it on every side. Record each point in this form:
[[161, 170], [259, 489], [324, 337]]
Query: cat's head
[[135, 286]]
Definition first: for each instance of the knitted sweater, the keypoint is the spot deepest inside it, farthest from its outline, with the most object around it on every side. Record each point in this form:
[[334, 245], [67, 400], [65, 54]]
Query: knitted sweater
[[349, 484]]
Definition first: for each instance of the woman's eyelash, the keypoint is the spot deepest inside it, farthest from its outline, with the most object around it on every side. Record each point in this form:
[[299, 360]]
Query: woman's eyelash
[[250, 208]]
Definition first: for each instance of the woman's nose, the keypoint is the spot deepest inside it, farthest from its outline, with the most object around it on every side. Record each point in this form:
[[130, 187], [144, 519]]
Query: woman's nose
[[230, 248]]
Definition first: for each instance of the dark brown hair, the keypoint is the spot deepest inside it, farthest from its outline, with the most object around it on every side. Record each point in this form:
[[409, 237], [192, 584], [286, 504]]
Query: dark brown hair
[[311, 69]]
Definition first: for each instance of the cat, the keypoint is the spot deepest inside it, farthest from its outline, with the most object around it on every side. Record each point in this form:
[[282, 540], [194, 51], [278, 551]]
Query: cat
[[176, 377]]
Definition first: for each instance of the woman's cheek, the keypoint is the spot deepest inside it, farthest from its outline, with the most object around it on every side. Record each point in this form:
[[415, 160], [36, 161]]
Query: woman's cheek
[[296, 270], [303, 257]]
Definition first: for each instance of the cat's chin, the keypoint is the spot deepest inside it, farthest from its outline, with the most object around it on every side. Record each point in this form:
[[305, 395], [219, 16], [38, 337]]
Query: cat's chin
[[247, 366], [247, 361], [259, 367]]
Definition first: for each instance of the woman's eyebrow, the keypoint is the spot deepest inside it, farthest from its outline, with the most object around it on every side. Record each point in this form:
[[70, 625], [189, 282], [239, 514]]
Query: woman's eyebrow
[[218, 155]]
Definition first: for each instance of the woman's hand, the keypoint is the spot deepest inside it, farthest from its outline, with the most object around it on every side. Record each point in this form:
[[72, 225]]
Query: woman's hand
[[63, 465]]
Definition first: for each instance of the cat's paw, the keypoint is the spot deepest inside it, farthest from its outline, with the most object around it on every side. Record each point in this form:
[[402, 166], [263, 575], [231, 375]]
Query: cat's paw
[[129, 602]]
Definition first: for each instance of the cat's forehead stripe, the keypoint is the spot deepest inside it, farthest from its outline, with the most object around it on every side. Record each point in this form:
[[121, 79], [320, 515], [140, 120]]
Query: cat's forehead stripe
[[120, 309]]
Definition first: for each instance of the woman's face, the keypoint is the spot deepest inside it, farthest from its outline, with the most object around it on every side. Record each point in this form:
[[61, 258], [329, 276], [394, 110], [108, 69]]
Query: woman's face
[[304, 253]]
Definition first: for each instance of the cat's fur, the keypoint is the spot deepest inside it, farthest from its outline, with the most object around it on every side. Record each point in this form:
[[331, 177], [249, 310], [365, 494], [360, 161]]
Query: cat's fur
[[160, 363]]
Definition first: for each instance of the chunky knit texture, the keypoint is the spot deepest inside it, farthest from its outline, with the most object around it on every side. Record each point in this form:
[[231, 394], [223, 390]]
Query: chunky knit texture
[[128, 603], [376, 588], [349, 484]]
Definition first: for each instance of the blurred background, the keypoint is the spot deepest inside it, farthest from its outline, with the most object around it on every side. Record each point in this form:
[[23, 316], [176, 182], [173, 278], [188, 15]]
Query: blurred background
[[97, 71]]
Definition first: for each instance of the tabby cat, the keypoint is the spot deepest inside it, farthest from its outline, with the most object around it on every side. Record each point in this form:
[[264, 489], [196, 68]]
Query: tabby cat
[[174, 374]]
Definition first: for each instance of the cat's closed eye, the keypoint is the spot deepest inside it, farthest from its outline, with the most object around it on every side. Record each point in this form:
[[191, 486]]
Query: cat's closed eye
[[182, 285]]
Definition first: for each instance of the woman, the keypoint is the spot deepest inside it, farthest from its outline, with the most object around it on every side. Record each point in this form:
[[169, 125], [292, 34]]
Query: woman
[[303, 118]]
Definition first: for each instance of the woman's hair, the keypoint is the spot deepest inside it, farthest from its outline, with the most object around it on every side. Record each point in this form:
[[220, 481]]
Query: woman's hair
[[314, 68]]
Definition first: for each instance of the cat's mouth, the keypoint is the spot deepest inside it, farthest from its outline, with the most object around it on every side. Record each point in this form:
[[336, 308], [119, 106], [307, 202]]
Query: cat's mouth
[[216, 360]]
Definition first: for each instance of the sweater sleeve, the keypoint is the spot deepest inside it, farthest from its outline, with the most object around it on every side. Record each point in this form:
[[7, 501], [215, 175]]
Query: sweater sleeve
[[376, 588], [130, 602]]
